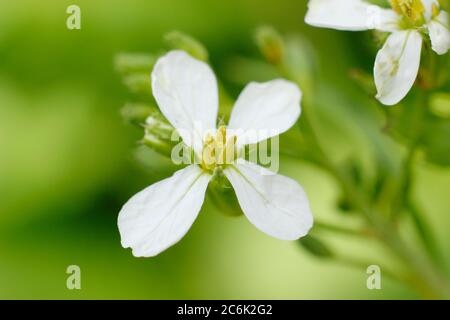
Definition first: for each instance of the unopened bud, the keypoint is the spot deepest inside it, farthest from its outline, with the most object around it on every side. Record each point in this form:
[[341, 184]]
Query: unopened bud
[[158, 134], [156, 124], [440, 105], [271, 44], [181, 41], [364, 80], [136, 113], [128, 63], [138, 83], [157, 144], [316, 247]]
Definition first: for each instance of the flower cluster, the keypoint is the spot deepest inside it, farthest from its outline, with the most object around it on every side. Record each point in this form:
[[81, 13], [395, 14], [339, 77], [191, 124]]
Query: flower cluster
[[408, 21], [187, 94]]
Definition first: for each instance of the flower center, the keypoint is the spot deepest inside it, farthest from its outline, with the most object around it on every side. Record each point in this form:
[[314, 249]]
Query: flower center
[[218, 150], [412, 11]]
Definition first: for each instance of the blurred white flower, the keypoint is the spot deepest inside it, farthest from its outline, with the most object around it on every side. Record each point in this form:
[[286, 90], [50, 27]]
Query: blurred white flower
[[397, 63], [186, 91]]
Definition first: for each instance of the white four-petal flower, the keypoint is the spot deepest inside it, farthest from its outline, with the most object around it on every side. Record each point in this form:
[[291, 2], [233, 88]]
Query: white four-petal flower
[[397, 63], [186, 91]]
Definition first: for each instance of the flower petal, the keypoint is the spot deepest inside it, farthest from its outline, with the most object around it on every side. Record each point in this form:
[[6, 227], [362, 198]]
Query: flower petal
[[187, 94], [440, 33], [428, 5], [386, 20], [160, 215], [397, 65], [275, 204], [264, 110], [338, 14]]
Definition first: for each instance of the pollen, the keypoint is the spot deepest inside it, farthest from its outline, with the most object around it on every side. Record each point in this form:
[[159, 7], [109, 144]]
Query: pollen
[[412, 10], [218, 150], [435, 10]]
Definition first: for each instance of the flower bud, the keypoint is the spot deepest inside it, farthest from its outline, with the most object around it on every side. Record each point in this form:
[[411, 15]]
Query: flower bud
[[440, 104], [157, 144], [136, 113], [181, 41], [138, 83], [364, 80], [129, 63], [156, 124], [271, 44], [158, 134], [316, 247]]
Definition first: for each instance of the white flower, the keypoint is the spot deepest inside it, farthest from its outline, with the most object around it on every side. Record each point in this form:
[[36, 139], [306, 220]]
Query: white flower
[[397, 63], [186, 91]]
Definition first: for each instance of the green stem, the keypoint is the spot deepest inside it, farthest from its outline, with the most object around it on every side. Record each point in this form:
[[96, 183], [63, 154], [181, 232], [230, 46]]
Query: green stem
[[404, 199], [425, 233], [425, 278], [415, 132], [343, 230], [360, 264]]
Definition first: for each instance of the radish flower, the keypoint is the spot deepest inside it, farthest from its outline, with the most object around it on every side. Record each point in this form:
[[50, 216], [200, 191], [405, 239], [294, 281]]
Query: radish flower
[[408, 21], [187, 94]]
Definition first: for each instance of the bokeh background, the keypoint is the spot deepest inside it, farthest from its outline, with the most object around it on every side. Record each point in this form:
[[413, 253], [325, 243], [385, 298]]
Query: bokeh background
[[68, 161]]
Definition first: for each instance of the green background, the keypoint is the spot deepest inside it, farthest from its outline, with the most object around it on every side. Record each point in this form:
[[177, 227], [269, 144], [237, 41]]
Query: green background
[[68, 161]]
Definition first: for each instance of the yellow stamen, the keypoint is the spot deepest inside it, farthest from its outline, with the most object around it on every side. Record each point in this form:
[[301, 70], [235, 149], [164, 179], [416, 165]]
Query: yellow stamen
[[217, 151], [435, 10], [412, 10]]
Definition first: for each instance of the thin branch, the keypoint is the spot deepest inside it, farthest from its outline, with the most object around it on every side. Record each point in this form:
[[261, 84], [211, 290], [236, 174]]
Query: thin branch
[[344, 230]]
